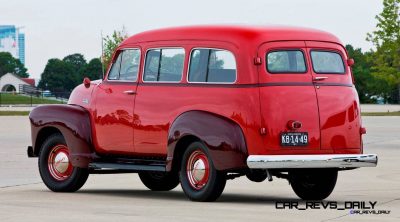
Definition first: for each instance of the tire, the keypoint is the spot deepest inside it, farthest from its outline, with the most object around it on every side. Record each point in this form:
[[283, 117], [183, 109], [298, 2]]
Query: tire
[[313, 184], [201, 185], [159, 181], [56, 171]]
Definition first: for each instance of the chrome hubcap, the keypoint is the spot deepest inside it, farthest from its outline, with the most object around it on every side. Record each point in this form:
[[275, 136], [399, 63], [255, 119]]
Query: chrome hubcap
[[198, 169], [61, 162], [60, 167]]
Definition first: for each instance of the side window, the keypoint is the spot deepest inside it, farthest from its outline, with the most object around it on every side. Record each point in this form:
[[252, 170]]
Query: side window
[[286, 61], [130, 65], [126, 66], [327, 62], [212, 65], [165, 65], [113, 74]]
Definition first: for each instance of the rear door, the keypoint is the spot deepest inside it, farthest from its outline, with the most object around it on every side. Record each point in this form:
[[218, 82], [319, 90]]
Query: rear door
[[288, 96], [337, 97]]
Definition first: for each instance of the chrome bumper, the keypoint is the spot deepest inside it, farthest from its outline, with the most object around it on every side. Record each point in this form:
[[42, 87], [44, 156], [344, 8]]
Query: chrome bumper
[[311, 161]]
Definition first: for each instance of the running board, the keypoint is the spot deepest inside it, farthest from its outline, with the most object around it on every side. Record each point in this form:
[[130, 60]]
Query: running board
[[104, 167]]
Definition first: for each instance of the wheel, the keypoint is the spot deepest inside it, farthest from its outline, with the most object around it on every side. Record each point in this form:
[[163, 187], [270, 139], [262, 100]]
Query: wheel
[[56, 170], [199, 179], [159, 181], [313, 184]]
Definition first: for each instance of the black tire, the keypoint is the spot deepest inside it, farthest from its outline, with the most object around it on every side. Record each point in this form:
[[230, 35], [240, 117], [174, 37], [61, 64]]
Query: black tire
[[215, 180], [69, 182], [159, 181], [313, 184]]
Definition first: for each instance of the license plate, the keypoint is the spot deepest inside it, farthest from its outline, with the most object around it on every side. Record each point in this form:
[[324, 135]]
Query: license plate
[[294, 139]]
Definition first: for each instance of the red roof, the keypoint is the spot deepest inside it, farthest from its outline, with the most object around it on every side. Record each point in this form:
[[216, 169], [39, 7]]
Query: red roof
[[29, 81], [237, 35]]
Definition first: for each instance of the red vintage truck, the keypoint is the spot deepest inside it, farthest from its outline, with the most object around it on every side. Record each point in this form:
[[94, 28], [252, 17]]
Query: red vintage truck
[[203, 104]]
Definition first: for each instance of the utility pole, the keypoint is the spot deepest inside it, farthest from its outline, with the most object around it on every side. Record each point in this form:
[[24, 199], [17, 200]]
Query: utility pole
[[102, 53]]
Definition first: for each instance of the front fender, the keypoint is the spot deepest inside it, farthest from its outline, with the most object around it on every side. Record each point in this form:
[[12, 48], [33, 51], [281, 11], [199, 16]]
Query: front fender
[[223, 137], [74, 124]]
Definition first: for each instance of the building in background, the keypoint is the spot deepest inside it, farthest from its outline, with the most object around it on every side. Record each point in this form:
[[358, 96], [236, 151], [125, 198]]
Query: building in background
[[12, 41], [12, 83], [21, 47]]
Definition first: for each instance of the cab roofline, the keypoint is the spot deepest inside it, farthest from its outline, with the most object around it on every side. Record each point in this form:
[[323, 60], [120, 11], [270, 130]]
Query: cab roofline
[[237, 34]]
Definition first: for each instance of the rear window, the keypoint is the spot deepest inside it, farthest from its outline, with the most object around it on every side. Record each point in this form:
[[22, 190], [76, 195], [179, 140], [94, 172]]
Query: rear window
[[286, 61], [164, 65], [327, 62], [212, 65]]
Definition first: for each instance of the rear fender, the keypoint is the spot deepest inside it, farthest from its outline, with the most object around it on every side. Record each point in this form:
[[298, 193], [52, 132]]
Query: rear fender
[[223, 137]]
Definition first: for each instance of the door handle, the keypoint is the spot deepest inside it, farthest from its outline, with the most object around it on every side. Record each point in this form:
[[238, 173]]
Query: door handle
[[130, 92], [319, 78]]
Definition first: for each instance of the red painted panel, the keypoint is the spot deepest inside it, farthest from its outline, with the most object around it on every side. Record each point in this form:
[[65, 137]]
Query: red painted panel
[[158, 105], [113, 118], [286, 97], [281, 104], [338, 104], [340, 117]]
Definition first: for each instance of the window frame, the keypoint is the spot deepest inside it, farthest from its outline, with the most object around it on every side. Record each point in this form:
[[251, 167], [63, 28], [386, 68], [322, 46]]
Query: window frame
[[161, 48], [138, 72], [284, 49], [210, 48], [332, 51]]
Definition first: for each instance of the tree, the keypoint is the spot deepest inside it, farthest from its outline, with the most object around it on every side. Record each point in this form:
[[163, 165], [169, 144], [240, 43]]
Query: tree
[[386, 39], [77, 60], [57, 76], [9, 64], [361, 69], [93, 70], [64, 75], [111, 43], [78, 63]]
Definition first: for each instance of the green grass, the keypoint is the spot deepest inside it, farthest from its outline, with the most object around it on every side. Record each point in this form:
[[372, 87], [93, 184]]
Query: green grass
[[14, 113], [11, 99], [380, 113]]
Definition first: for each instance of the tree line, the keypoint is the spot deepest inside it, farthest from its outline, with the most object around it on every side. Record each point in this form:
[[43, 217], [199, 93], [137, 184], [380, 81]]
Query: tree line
[[376, 72], [63, 75]]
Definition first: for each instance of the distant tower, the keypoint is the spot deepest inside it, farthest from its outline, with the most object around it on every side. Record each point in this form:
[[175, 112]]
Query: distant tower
[[21, 47], [12, 41]]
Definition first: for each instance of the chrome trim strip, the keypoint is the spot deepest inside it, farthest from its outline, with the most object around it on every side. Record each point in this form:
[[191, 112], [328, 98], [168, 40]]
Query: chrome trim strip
[[311, 161]]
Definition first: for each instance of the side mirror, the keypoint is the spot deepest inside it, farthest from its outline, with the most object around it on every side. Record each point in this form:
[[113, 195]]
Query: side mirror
[[350, 62], [86, 82]]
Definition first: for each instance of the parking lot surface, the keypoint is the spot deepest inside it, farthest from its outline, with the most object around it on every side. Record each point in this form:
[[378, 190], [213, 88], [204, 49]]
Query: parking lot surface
[[122, 197]]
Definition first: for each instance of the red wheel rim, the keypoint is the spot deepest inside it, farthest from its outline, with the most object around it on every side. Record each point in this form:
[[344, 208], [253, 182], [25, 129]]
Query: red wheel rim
[[60, 167], [198, 169]]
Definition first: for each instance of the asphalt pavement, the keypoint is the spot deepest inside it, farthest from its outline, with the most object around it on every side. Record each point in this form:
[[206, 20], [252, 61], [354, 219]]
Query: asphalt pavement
[[122, 197]]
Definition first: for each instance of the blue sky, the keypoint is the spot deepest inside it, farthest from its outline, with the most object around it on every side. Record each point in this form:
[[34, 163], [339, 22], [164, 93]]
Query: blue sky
[[57, 28]]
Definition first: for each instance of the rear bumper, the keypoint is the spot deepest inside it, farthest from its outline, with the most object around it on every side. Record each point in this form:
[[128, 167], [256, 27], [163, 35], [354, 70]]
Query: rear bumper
[[311, 161]]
